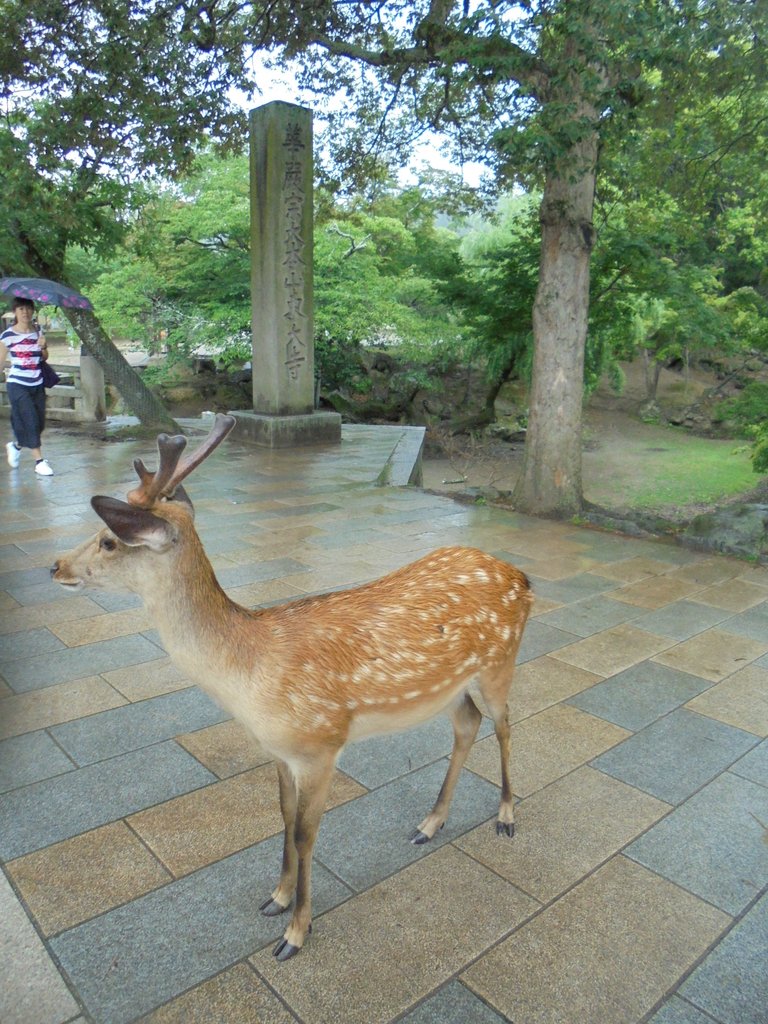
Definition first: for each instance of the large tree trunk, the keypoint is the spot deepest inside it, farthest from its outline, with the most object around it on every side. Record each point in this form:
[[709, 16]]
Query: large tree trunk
[[118, 371], [550, 482]]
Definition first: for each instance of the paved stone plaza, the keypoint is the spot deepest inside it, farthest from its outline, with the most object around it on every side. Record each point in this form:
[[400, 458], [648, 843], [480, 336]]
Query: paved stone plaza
[[139, 826]]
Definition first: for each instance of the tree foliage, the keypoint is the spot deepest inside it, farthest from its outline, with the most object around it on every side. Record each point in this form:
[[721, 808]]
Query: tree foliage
[[96, 97]]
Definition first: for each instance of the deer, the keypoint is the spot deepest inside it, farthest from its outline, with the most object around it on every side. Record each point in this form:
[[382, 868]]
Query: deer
[[311, 675]]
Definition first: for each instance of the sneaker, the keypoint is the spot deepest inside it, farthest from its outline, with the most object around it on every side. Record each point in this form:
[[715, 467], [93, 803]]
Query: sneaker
[[43, 469], [12, 454]]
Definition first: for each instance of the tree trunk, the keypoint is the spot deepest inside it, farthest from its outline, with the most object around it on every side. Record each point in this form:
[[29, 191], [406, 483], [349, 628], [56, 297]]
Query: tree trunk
[[118, 371], [550, 481]]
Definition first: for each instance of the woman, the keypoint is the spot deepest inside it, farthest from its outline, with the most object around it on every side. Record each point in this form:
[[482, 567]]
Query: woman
[[25, 344]]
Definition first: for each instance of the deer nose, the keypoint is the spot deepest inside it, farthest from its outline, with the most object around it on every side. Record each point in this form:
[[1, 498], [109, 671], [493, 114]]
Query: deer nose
[[54, 568]]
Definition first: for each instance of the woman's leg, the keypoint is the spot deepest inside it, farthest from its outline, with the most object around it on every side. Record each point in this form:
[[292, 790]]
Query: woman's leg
[[25, 415]]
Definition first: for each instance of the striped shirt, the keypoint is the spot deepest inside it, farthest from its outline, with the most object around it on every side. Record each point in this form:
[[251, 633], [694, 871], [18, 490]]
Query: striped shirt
[[26, 355]]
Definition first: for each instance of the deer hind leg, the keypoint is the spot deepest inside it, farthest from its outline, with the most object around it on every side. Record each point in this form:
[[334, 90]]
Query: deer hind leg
[[280, 899], [466, 721], [312, 785], [495, 689]]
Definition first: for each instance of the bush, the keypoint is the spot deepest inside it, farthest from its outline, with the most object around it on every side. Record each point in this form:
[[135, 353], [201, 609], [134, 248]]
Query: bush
[[749, 411]]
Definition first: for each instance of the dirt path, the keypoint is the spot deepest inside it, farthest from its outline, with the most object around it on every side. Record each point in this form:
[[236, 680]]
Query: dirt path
[[624, 457]]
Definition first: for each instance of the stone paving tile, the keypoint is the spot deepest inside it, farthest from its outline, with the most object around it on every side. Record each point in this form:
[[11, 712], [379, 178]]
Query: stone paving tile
[[135, 958], [740, 700], [564, 831], [757, 574], [30, 758], [545, 681], [225, 749], [638, 696], [72, 881], [631, 570], [754, 765], [105, 626], [714, 844], [59, 808], [151, 679], [655, 592], [255, 595], [255, 572], [15, 619], [709, 571], [676, 755], [545, 747], [76, 662], [236, 996], [386, 949], [681, 619], [752, 623], [613, 650], [591, 615], [41, 592], [365, 841], [732, 983], [539, 639], [115, 602], [714, 654], [453, 1004], [28, 644], [376, 761], [631, 933], [678, 1011], [574, 588], [134, 726], [39, 709], [732, 595], [211, 823], [33, 991]]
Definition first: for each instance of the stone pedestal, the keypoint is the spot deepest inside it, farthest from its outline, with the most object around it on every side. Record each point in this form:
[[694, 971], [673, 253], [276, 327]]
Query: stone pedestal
[[281, 282], [287, 431]]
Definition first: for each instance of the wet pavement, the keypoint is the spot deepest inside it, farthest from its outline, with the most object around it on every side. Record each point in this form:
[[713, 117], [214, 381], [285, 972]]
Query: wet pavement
[[139, 826]]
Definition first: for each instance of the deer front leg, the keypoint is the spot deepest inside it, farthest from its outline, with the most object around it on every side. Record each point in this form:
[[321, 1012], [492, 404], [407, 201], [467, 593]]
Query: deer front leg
[[466, 721], [494, 690], [280, 899], [313, 784]]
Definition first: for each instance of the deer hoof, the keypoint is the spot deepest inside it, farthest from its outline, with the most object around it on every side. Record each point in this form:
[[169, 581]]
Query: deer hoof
[[271, 908], [505, 828], [284, 950], [419, 838]]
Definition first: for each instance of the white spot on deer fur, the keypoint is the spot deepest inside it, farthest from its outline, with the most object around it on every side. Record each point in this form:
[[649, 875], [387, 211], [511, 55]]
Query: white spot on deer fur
[[506, 633], [412, 695]]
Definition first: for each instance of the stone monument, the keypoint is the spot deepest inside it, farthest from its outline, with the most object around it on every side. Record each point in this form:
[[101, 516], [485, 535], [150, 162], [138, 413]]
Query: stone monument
[[284, 412]]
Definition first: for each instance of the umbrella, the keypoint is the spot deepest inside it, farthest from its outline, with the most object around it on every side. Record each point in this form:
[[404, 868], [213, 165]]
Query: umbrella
[[47, 293]]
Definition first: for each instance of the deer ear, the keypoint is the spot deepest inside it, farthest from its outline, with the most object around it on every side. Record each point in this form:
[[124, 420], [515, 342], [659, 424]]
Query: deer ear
[[134, 526]]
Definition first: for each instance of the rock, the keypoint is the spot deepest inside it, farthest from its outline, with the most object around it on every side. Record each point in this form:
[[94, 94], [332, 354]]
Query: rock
[[735, 530]]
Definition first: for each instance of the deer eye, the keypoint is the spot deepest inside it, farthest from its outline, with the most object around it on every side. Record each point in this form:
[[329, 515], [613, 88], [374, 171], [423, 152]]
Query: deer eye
[[107, 544]]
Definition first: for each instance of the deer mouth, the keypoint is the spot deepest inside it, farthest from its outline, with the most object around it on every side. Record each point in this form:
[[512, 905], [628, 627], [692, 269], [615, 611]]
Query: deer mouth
[[68, 584]]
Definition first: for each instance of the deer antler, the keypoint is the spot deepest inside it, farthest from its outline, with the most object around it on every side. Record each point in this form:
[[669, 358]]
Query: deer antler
[[163, 483]]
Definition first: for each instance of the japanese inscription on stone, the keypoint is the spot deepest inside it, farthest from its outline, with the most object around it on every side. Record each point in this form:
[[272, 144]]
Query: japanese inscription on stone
[[293, 261]]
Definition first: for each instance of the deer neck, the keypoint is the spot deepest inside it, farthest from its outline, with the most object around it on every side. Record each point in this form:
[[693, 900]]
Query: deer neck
[[193, 615]]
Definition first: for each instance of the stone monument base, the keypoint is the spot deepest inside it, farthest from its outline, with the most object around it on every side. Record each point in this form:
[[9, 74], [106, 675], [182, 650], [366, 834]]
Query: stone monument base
[[287, 431]]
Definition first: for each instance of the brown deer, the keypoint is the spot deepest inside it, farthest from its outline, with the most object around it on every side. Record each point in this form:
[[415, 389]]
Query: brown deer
[[307, 677]]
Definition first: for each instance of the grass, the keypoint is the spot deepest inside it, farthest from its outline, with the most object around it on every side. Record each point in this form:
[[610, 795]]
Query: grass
[[698, 477], [672, 470]]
